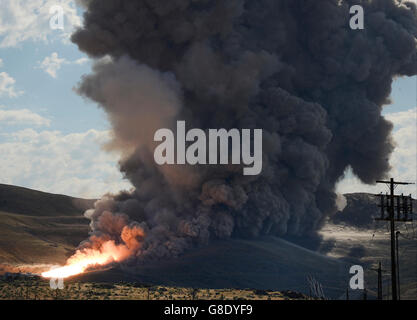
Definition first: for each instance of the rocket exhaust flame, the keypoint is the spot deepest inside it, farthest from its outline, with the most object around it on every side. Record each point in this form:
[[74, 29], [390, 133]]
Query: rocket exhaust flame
[[107, 253], [83, 260]]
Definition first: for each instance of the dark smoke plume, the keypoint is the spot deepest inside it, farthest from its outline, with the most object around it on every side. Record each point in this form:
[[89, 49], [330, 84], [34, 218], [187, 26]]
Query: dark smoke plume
[[291, 67]]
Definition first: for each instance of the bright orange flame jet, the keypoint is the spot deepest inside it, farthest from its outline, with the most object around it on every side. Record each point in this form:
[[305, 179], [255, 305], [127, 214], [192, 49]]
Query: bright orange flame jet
[[107, 252], [86, 258]]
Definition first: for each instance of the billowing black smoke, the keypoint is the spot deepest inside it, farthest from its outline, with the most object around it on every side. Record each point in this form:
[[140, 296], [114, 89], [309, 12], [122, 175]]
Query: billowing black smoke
[[291, 67]]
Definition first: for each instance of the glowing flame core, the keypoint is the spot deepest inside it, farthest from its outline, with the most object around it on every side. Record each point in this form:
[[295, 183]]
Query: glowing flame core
[[107, 252]]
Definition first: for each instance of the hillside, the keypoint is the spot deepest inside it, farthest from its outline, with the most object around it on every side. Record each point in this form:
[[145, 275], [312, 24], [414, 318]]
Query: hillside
[[38, 227], [41, 228], [265, 263], [25, 201]]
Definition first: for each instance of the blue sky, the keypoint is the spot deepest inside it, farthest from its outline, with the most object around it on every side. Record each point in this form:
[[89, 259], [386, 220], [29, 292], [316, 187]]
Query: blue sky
[[51, 97], [50, 138]]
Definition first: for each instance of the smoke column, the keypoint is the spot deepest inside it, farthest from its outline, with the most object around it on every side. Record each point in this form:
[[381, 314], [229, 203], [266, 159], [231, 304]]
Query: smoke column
[[291, 67]]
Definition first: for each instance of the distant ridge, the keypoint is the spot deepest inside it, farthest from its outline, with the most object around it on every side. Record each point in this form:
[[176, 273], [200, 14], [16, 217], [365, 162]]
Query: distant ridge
[[360, 211], [26, 201]]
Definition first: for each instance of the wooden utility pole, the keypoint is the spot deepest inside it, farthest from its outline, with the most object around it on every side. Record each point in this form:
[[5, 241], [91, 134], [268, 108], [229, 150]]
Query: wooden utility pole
[[403, 210], [379, 281], [398, 265], [379, 270]]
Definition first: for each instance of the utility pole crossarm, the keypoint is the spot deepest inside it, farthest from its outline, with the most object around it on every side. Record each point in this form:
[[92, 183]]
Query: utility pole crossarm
[[395, 182]]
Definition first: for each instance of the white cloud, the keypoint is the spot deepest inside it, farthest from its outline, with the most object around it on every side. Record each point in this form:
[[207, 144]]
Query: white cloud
[[52, 64], [403, 159], [22, 20], [51, 161], [1, 62], [21, 117], [81, 61], [7, 86]]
